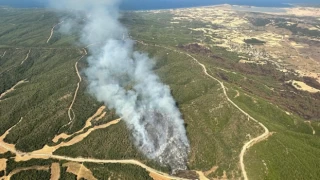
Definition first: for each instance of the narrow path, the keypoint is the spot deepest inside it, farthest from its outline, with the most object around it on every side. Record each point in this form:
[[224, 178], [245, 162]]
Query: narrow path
[[310, 124], [72, 117], [26, 57], [3, 54], [52, 30], [12, 88], [252, 141], [212, 170], [237, 95], [16, 171], [95, 117]]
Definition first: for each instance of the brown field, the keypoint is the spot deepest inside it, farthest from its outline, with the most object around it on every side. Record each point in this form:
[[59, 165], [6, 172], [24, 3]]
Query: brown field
[[79, 170], [282, 48], [55, 171]]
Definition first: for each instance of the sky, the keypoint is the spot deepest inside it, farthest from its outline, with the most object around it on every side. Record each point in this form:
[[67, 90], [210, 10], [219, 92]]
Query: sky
[[162, 4]]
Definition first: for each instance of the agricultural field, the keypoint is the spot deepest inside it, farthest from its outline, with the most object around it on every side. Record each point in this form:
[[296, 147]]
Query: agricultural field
[[247, 85]]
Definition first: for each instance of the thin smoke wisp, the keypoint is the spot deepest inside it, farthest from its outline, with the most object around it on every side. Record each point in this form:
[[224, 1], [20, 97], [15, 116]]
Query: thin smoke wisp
[[123, 79]]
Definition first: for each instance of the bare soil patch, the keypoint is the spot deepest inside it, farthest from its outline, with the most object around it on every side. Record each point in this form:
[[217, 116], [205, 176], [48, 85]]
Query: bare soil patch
[[202, 176], [155, 176], [50, 149], [3, 164], [99, 113], [2, 150], [79, 170], [303, 86], [212, 170], [55, 171]]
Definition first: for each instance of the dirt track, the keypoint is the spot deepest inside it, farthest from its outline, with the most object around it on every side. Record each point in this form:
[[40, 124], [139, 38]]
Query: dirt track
[[16, 171], [12, 89], [310, 125], [76, 92], [26, 57], [96, 116], [46, 153], [52, 30], [252, 141], [38, 155], [91, 160]]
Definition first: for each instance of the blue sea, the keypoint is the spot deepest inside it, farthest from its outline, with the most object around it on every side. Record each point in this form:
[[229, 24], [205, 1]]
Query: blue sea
[[166, 4]]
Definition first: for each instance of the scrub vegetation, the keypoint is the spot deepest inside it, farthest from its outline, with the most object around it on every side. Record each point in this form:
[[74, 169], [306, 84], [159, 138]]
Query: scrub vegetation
[[217, 130]]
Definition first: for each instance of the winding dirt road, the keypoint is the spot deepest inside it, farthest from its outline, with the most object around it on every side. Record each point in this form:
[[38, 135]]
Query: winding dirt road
[[90, 160], [22, 156], [252, 141], [47, 152], [52, 30], [76, 92], [16, 171], [12, 88], [26, 57]]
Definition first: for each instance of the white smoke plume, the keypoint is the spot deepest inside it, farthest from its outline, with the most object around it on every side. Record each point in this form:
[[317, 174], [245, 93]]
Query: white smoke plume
[[123, 79]]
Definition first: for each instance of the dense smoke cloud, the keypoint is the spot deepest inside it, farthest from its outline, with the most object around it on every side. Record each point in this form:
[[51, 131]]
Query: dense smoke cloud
[[123, 79]]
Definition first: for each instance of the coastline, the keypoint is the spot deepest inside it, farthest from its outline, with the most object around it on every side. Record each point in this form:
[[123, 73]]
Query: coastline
[[159, 6]]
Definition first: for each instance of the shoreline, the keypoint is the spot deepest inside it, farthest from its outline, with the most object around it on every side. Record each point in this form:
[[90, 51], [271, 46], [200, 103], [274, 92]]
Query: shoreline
[[280, 5]]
